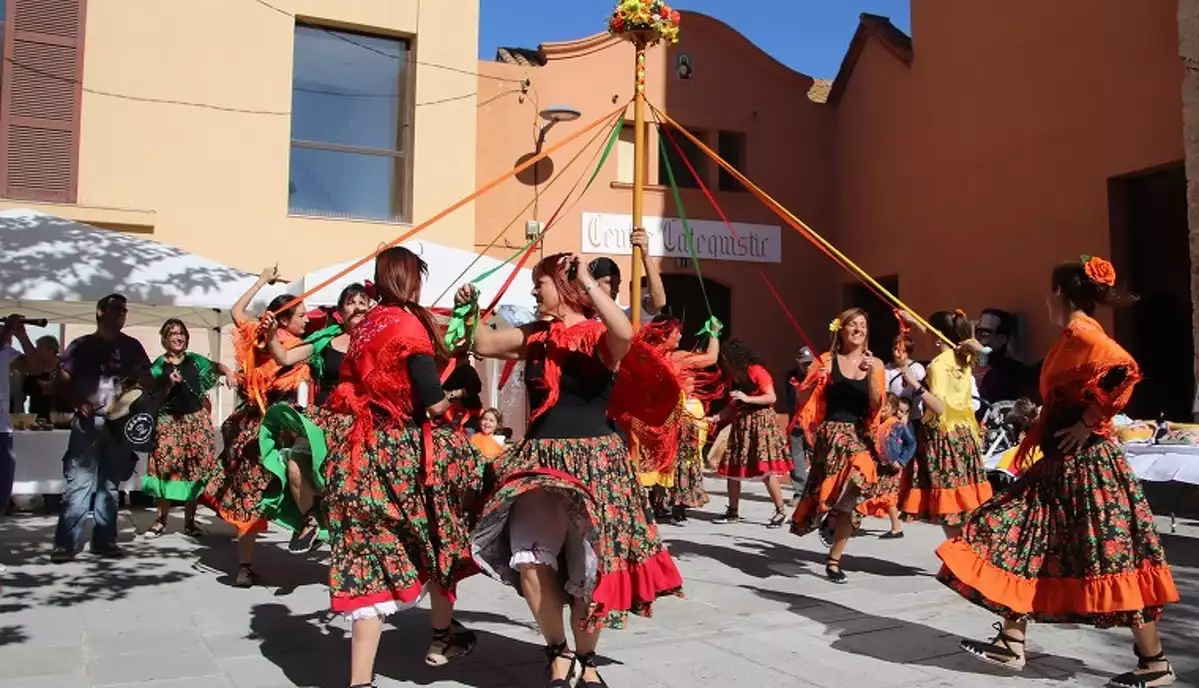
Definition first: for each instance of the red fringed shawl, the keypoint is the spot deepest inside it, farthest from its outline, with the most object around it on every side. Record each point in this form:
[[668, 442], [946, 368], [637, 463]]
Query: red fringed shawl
[[647, 389], [1073, 372], [374, 376]]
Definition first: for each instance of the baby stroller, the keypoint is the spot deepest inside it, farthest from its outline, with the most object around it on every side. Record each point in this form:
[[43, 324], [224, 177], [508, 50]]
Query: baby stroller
[[1000, 434]]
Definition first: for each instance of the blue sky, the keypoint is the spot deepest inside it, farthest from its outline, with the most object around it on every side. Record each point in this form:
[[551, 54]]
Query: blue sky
[[807, 35]]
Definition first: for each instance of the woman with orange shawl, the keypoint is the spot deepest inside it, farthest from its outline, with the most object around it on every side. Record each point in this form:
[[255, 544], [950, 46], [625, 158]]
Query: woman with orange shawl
[[840, 418], [1073, 540], [947, 479], [239, 480]]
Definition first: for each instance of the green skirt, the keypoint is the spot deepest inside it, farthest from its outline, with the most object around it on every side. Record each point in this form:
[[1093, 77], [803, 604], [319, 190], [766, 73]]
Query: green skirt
[[287, 433]]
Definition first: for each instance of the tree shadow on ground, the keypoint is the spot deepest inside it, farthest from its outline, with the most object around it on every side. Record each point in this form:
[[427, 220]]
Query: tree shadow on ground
[[311, 651], [867, 635], [766, 559]]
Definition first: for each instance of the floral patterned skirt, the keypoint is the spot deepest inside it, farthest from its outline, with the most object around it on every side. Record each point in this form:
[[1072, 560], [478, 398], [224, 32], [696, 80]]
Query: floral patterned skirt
[[183, 446], [688, 488], [843, 476], [392, 532], [946, 480], [612, 545], [756, 448], [1073, 541], [287, 433], [886, 492], [236, 480]]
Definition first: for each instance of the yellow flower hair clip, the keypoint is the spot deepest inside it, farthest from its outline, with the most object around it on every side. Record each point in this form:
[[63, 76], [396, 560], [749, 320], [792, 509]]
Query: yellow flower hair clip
[[835, 326]]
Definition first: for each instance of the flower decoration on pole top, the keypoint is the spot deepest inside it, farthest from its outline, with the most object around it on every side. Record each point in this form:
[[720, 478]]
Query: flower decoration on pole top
[[645, 22]]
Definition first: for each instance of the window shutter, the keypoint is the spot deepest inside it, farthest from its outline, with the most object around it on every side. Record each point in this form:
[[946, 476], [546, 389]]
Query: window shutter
[[40, 100]]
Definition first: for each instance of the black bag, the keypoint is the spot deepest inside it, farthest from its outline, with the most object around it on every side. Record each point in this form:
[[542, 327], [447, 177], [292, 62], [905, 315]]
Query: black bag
[[132, 419]]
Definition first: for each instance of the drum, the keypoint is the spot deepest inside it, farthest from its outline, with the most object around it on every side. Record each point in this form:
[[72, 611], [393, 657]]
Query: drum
[[131, 418]]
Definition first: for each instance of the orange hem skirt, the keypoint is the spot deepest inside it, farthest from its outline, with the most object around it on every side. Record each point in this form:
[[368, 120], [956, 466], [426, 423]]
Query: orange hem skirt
[[1148, 587], [933, 503], [860, 468]]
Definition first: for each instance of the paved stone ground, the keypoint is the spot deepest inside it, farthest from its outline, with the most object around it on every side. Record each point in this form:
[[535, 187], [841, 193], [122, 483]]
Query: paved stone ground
[[758, 611]]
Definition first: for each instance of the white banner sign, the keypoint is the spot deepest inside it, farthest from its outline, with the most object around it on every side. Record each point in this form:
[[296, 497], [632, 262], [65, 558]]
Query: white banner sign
[[608, 234]]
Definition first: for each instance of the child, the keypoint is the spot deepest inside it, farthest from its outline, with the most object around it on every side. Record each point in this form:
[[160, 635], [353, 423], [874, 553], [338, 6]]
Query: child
[[486, 440], [1020, 418], [897, 446]]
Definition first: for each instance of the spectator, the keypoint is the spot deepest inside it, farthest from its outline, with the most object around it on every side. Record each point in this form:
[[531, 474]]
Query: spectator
[[653, 293], [41, 372], [790, 406], [14, 326], [94, 465], [1004, 378]]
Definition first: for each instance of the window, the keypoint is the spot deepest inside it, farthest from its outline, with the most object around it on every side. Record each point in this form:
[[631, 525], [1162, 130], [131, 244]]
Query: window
[[731, 147], [682, 175], [349, 115], [625, 159]]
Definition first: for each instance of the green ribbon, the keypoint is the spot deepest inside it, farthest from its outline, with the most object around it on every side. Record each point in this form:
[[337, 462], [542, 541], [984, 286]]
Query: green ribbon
[[457, 331], [712, 327], [678, 202]]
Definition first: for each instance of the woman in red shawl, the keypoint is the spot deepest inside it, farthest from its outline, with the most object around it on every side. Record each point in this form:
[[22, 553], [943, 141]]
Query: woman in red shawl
[[568, 521], [239, 480], [840, 419], [1073, 540], [397, 490]]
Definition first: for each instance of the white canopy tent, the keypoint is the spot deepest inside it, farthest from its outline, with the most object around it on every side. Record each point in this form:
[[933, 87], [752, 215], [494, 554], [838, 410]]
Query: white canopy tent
[[58, 269], [446, 264]]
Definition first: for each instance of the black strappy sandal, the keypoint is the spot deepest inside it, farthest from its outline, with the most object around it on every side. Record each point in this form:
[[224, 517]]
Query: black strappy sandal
[[999, 652], [587, 659], [554, 652], [450, 644], [777, 521], [156, 529], [730, 516], [835, 575], [246, 577], [305, 539], [1147, 678]]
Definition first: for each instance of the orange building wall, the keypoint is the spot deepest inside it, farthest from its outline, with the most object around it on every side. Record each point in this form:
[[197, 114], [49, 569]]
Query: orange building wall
[[736, 87], [973, 171]]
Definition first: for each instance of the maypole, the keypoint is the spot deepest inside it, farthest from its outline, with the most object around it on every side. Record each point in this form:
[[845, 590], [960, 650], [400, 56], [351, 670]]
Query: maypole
[[643, 23]]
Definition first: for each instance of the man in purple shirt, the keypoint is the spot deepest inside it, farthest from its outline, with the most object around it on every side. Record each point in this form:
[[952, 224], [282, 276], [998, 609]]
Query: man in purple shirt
[[93, 368]]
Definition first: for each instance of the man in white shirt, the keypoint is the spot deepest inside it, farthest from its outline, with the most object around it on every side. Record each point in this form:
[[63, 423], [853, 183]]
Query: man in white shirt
[[653, 293], [14, 326]]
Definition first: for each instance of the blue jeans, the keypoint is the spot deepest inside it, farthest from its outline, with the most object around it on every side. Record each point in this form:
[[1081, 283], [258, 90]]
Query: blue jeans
[[799, 462], [93, 467], [8, 470]]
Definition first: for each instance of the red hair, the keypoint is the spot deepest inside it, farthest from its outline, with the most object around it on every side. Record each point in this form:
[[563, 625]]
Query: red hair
[[570, 292], [399, 274]]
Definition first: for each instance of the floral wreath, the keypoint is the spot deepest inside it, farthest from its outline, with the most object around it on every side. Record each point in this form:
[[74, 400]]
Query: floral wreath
[[645, 18], [1099, 270]]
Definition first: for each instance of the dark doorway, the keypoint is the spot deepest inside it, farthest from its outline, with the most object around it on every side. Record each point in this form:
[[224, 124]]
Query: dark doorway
[[1150, 244], [883, 325], [685, 301]]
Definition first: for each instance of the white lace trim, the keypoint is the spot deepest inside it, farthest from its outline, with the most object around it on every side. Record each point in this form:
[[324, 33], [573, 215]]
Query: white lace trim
[[383, 609]]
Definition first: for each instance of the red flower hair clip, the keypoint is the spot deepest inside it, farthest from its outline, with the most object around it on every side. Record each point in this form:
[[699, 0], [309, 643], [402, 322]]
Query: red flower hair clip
[[369, 287]]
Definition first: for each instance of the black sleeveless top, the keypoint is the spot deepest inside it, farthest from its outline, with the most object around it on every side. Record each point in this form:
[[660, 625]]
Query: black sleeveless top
[[330, 374], [185, 397], [584, 390], [846, 400]]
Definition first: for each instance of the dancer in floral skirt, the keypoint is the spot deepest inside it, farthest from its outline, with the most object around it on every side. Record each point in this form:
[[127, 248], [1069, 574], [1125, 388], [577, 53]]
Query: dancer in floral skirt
[[1073, 541], [675, 478], [293, 443], [947, 479], [185, 440], [846, 392], [398, 491], [238, 480], [757, 448], [568, 520]]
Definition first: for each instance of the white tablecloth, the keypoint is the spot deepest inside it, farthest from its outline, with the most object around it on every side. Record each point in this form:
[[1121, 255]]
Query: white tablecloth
[[1157, 463], [1162, 463], [39, 463]]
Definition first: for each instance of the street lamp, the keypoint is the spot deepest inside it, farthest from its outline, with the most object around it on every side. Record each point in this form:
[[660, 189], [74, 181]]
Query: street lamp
[[553, 115]]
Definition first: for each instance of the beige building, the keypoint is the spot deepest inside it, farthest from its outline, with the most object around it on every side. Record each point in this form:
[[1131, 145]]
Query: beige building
[[248, 131]]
